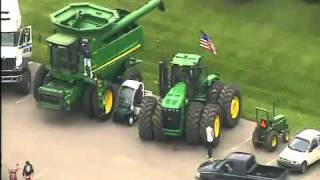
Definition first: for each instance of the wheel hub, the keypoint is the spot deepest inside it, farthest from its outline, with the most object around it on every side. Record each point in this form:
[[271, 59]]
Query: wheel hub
[[235, 107], [108, 99], [217, 126]]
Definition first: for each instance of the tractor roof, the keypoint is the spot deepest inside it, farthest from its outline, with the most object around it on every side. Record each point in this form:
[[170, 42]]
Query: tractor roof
[[182, 59], [62, 39]]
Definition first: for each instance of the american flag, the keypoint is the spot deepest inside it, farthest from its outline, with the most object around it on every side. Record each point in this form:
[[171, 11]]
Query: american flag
[[206, 43]]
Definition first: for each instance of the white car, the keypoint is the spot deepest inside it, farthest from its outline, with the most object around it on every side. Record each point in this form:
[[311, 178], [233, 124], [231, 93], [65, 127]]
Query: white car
[[303, 151]]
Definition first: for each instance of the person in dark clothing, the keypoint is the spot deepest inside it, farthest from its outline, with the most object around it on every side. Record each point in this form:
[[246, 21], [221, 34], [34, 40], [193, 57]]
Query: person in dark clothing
[[27, 170], [85, 51]]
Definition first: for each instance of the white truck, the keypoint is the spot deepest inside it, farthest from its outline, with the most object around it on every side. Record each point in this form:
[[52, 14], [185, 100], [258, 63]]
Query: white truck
[[16, 44], [303, 151]]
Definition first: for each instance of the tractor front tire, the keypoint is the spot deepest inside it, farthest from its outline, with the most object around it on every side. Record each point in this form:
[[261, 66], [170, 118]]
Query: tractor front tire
[[230, 103], [109, 96], [211, 116], [132, 73], [256, 140], [193, 118], [39, 79], [271, 141], [25, 85], [214, 92], [286, 136], [158, 124], [87, 101], [145, 116]]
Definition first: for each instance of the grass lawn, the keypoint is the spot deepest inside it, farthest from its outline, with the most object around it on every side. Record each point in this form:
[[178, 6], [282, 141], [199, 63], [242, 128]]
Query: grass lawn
[[269, 48]]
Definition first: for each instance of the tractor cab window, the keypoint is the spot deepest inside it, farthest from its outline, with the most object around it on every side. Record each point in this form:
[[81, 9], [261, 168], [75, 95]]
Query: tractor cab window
[[314, 145], [185, 74], [65, 58]]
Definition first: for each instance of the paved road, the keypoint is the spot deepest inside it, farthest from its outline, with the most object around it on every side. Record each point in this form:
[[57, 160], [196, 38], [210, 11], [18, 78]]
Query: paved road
[[69, 146]]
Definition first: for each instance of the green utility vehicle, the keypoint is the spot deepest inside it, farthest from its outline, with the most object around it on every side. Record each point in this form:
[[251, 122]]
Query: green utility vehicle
[[112, 35], [189, 102], [269, 128]]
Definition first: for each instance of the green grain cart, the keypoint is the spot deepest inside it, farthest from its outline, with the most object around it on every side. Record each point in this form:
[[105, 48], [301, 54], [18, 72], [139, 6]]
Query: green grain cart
[[112, 36], [190, 101]]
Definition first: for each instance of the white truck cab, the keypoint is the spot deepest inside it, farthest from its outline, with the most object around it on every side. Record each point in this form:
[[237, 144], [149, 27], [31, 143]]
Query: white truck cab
[[16, 44], [302, 151]]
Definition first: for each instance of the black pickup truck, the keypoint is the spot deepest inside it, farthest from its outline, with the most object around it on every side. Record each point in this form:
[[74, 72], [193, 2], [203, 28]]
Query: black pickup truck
[[238, 166]]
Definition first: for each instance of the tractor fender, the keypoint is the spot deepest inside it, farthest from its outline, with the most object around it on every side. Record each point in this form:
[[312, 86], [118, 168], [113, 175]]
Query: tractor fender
[[210, 79]]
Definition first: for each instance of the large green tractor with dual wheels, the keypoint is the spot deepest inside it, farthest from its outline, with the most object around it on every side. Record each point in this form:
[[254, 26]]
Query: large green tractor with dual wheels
[[189, 102], [112, 35]]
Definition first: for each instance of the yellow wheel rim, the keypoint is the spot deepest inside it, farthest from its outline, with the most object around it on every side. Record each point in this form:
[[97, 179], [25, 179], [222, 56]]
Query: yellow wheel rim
[[108, 101], [274, 141], [235, 107], [217, 126], [287, 137]]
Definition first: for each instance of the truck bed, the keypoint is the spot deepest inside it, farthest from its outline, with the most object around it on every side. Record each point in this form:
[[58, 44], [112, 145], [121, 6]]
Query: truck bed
[[268, 172]]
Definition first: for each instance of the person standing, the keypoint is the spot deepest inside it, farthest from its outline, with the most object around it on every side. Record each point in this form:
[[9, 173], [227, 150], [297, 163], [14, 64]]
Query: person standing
[[28, 171], [85, 51], [13, 173], [210, 135]]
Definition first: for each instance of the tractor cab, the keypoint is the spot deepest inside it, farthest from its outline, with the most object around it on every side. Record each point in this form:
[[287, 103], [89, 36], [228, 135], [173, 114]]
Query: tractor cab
[[64, 53], [187, 68]]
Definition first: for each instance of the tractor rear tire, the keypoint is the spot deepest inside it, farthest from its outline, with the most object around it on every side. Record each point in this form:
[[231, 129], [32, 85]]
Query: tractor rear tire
[[256, 141], [145, 116], [214, 92], [39, 78], [25, 85], [271, 141], [211, 116], [132, 73], [158, 124], [286, 136], [193, 118], [100, 113], [87, 101], [230, 103]]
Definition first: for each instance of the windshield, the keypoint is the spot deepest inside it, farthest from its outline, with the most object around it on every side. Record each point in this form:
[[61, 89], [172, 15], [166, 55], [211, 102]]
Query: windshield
[[126, 96], [9, 39], [300, 145], [64, 58]]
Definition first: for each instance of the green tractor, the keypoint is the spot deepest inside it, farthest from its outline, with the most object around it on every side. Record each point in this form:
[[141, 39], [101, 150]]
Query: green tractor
[[112, 35], [269, 129], [189, 102]]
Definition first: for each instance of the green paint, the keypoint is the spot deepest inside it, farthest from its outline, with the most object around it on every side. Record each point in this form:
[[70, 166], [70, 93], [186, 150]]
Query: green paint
[[62, 39], [175, 98], [189, 84], [113, 36], [182, 59]]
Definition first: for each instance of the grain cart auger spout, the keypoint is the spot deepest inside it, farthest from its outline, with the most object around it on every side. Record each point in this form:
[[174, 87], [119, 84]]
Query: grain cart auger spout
[[90, 52], [189, 102]]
